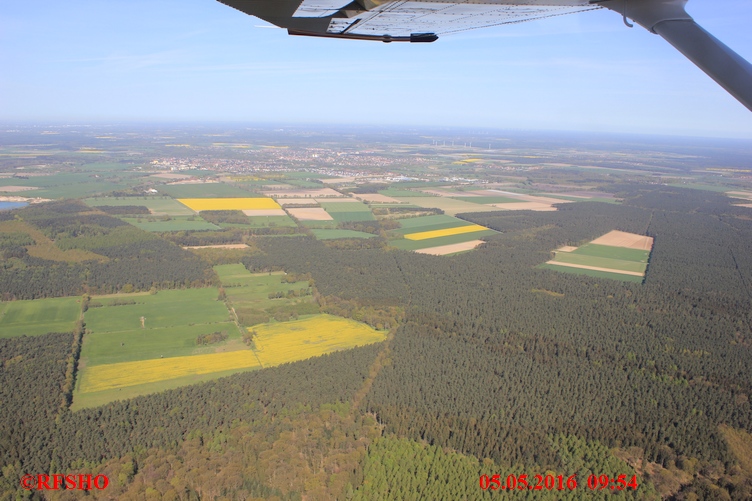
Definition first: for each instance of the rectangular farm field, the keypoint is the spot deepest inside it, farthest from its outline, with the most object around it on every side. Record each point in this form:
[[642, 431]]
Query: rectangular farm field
[[204, 190], [145, 344], [38, 316], [279, 343], [406, 244], [607, 251], [167, 308], [335, 234], [199, 204], [157, 205], [180, 223]]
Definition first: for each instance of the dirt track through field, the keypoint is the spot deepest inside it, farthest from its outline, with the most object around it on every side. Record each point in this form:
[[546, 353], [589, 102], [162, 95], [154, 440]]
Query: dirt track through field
[[595, 268]]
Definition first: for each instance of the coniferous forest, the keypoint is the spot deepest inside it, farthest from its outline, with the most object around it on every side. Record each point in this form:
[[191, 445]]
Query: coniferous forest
[[492, 366]]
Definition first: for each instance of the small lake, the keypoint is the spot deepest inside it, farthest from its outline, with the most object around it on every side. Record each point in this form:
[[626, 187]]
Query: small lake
[[12, 205]]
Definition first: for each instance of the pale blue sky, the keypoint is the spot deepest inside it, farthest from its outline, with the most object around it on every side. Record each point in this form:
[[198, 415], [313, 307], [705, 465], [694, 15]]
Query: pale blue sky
[[196, 60]]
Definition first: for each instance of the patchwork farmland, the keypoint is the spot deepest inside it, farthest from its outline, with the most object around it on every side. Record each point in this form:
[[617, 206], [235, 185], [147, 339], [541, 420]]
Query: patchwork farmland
[[142, 343], [438, 235], [617, 254]]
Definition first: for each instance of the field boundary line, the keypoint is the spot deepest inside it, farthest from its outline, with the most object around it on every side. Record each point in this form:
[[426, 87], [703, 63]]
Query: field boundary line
[[595, 268]]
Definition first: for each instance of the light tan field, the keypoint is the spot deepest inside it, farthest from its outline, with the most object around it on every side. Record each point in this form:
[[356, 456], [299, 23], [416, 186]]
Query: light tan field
[[740, 194], [296, 201], [15, 189], [302, 193], [622, 239], [167, 175], [311, 214], [447, 193], [376, 198], [566, 248], [195, 181], [584, 267], [341, 199], [535, 206], [222, 246], [534, 198], [749, 206], [264, 212], [443, 250], [24, 199], [339, 180]]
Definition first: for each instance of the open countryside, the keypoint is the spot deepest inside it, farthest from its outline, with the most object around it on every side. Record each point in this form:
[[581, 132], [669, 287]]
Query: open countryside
[[217, 354]]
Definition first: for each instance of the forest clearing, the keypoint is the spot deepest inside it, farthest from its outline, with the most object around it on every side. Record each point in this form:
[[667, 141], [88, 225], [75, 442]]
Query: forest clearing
[[616, 254]]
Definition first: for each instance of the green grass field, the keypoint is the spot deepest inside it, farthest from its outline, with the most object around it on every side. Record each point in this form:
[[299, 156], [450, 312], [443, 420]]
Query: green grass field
[[158, 205], [335, 234], [38, 316], [144, 344], [428, 223], [205, 190], [167, 308], [270, 221], [415, 223], [177, 223], [69, 185], [247, 290], [237, 274], [600, 262], [608, 251], [319, 224], [344, 217], [348, 211]]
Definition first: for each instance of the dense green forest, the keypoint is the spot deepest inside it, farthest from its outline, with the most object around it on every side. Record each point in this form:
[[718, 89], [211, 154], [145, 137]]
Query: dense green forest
[[492, 365], [118, 257]]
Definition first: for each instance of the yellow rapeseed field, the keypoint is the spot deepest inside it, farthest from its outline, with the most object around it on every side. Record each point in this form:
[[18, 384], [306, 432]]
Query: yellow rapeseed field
[[311, 337], [425, 235], [276, 344], [106, 377], [199, 204]]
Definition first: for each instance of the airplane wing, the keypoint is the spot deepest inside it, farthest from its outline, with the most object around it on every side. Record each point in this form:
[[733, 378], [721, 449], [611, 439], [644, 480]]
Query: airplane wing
[[426, 20]]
